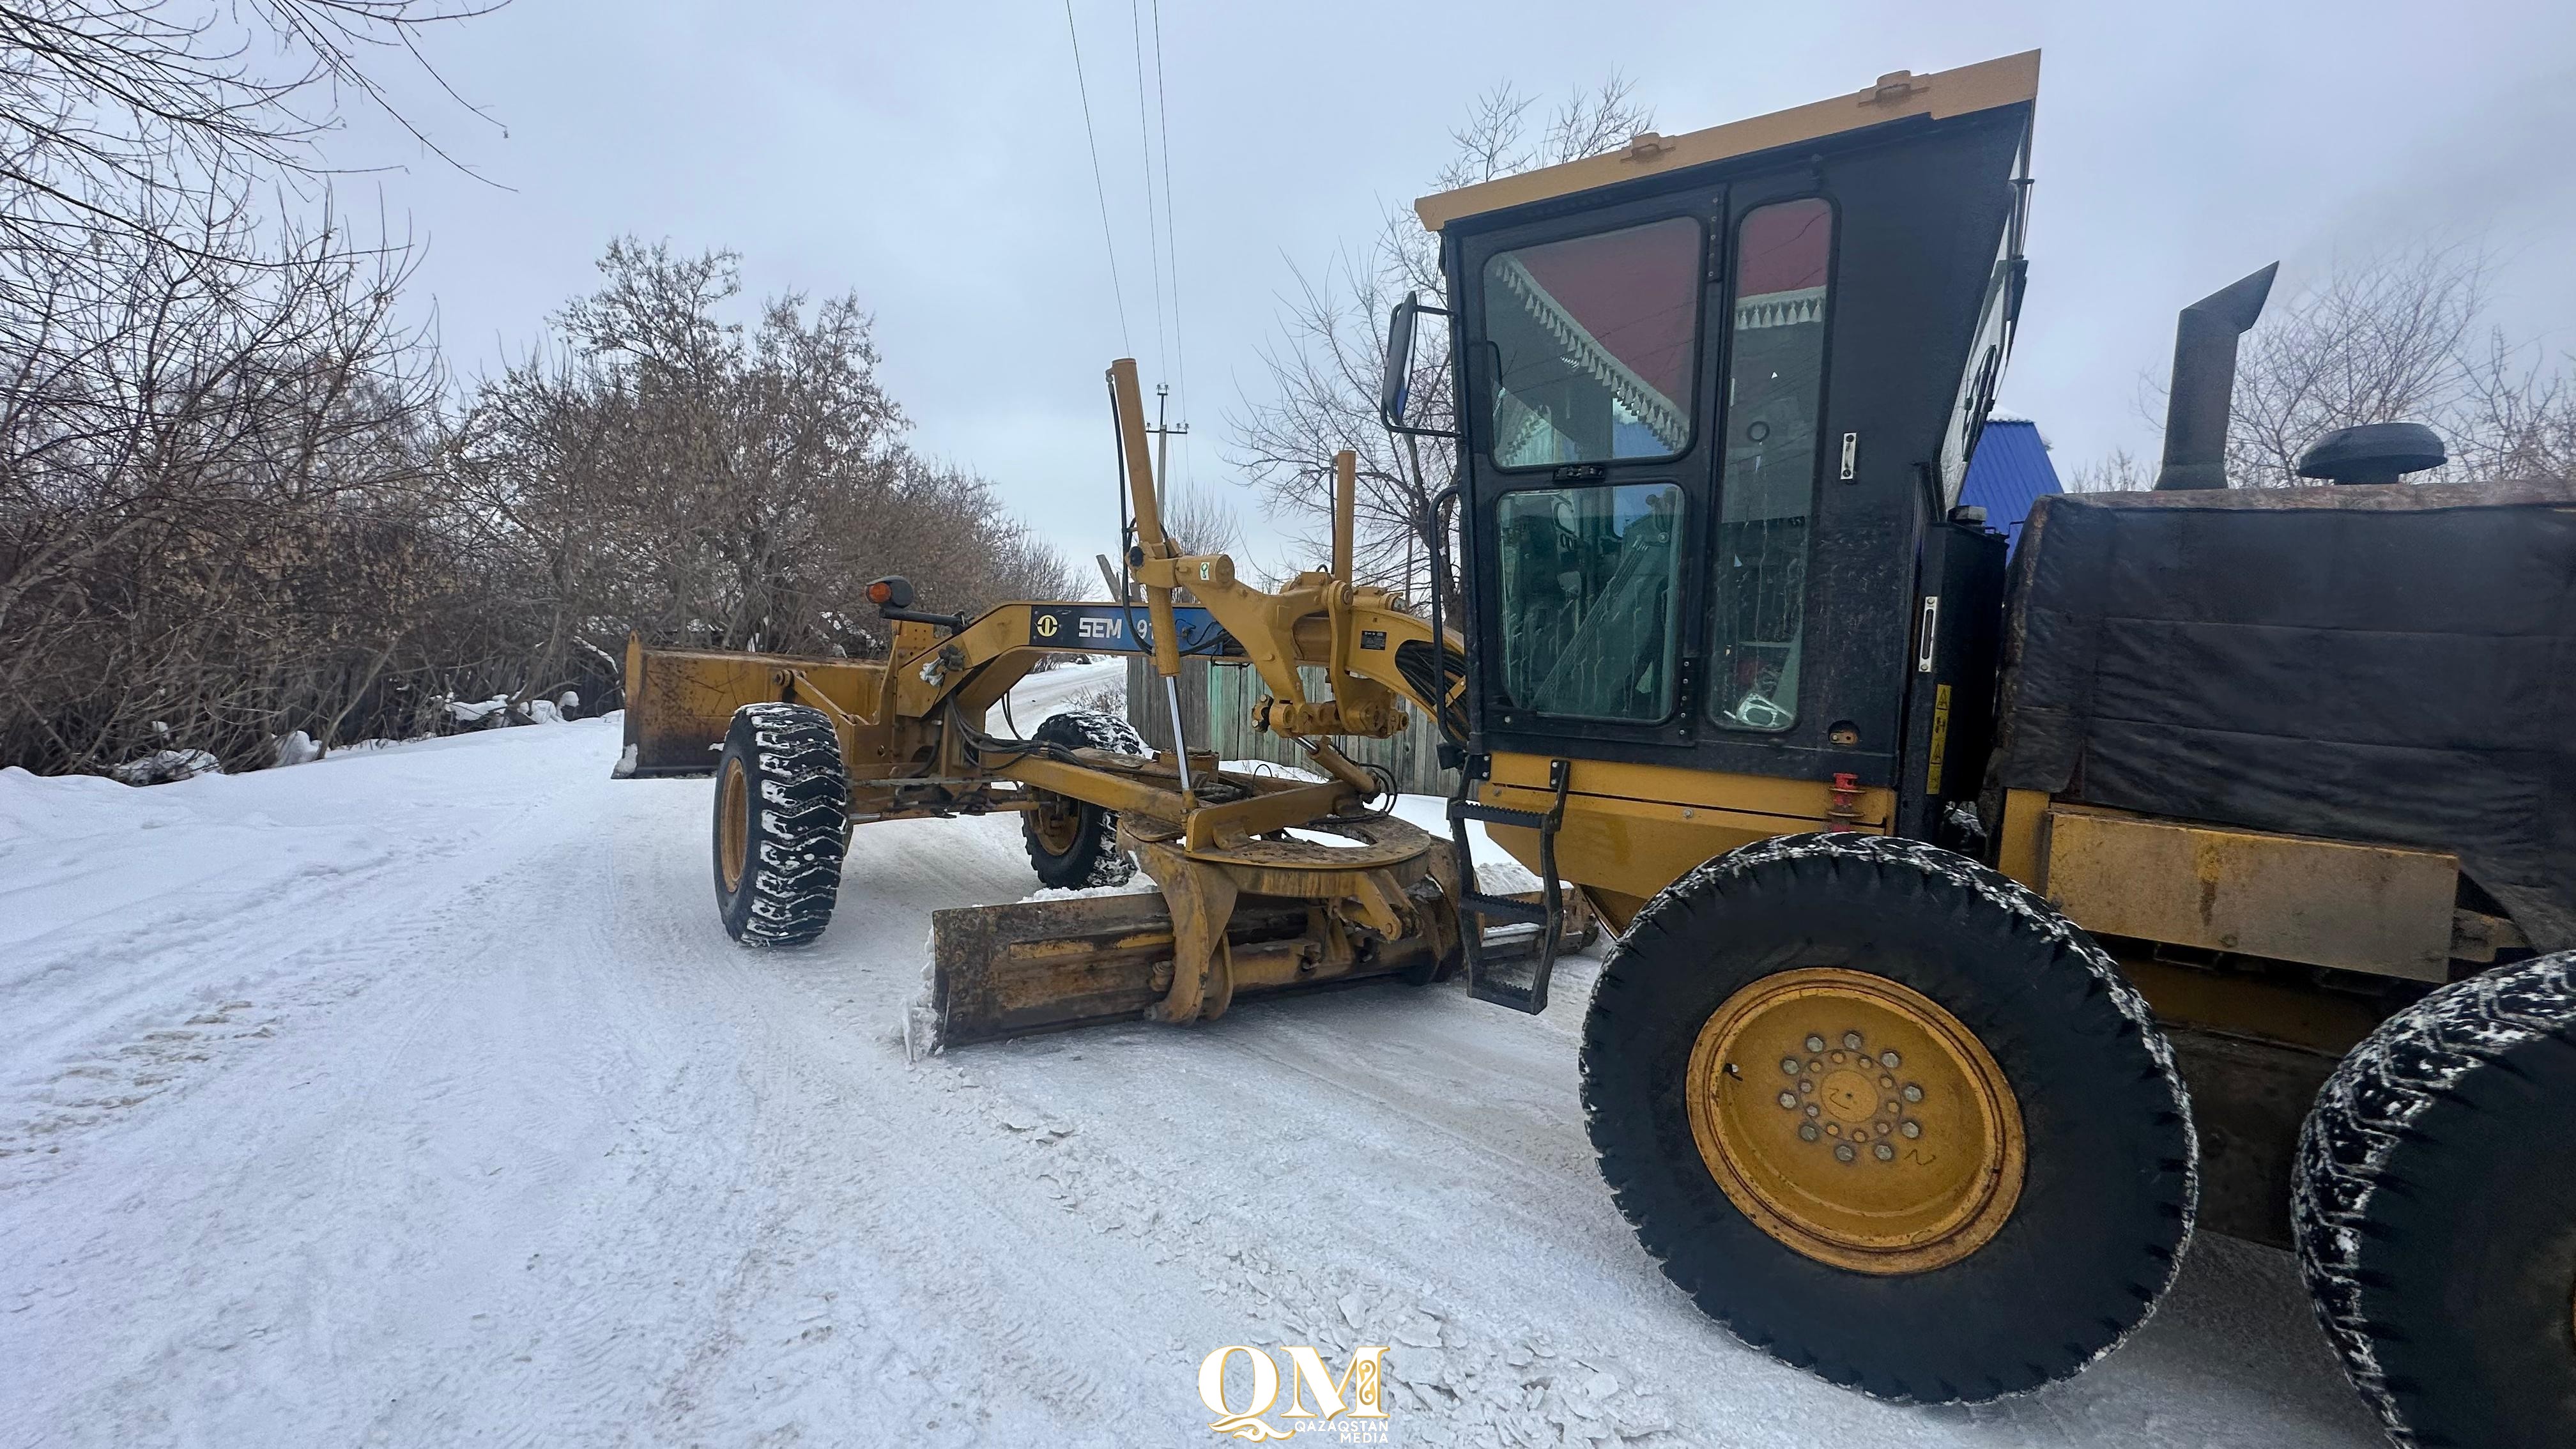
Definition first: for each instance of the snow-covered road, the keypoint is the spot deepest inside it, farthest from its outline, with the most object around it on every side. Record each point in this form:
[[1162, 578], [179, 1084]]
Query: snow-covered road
[[416, 1097]]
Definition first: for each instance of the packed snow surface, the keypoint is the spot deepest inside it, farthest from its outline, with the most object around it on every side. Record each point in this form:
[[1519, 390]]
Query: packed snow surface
[[416, 1097]]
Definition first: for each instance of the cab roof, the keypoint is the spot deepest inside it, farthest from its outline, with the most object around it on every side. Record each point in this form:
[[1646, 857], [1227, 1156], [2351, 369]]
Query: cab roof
[[2009, 80]]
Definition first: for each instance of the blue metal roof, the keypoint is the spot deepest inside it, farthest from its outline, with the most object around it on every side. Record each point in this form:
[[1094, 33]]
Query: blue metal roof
[[2008, 474]]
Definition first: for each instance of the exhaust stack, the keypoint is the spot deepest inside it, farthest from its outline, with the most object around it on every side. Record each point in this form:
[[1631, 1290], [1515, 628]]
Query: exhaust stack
[[2204, 380]]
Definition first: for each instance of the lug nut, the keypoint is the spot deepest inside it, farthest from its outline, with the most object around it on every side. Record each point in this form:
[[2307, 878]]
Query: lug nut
[[1884, 1152], [1890, 1060], [1912, 1093], [1789, 1066], [1789, 1099], [1812, 1109], [1807, 1085], [1807, 1132], [1851, 1039], [1844, 1153], [1815, 1043], [1910, 1129]]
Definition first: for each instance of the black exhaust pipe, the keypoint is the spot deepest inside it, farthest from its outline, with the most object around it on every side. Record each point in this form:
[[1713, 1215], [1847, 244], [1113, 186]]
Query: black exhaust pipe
[[2204, 381]]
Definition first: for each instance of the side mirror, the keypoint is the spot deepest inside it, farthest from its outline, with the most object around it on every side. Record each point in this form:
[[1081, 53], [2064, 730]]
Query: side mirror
[[1395, 385]]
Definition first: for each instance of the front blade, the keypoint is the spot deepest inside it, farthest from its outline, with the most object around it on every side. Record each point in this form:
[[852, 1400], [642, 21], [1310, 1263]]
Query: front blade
[[1005, 971]]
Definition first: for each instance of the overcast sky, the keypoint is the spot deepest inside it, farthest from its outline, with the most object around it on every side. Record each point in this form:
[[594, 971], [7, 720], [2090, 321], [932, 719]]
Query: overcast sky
[[932, 159]]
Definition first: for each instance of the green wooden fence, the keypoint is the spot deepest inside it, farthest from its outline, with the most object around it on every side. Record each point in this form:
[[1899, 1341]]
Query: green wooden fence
[[1217, 710]]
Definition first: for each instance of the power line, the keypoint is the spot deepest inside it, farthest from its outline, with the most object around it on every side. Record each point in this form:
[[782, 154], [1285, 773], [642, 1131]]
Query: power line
[[1171, 236], [1099, 188], [1145, 143]]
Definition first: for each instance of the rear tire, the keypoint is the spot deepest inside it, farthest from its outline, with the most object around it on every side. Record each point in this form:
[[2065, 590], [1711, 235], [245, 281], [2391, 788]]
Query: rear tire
[[781, 824], [2436, 1212], [1073, 844], [2039, 1079]]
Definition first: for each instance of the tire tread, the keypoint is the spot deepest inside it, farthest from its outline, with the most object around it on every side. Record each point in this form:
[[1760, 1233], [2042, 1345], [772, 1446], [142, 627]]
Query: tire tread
[[2353, 1147], [801, 816]]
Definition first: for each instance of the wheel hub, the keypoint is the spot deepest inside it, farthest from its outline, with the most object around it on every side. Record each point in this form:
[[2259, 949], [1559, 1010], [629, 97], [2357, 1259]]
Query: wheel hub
[[1056, 821], [733, 847], [1856, 1121]]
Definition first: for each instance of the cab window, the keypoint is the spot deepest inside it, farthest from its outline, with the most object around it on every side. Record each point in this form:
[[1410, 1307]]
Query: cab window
[[1593, 345], [1590, 578], [1773, 416]]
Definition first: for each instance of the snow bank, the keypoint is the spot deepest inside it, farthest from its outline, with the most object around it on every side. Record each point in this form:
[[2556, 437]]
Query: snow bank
[[1135, 885], [297, 748]]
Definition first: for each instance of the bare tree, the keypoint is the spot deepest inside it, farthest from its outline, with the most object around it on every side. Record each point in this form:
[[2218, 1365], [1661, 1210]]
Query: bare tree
[[1202, 521], [230, 508], [1324, 365], [2386, 337], [118, 115], [233, 504], [2118, 472], [2516, 417], [2375, 341], [207, 473], [668, 470]]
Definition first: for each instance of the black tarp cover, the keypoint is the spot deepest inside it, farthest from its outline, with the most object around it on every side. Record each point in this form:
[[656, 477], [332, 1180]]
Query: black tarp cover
[[2394, 664]]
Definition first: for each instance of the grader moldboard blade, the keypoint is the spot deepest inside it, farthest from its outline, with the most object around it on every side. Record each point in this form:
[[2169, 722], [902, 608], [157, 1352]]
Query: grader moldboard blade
[[1270, 914]]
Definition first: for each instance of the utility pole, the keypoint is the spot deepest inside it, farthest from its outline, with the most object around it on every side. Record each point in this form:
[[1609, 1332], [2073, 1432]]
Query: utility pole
[[1162, 431]]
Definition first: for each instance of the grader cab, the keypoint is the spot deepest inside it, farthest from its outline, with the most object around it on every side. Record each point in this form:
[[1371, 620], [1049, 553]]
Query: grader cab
[[1987, 921]]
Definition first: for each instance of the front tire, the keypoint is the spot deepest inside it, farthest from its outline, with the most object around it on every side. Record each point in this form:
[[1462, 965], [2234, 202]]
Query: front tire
[[1887, 1116], [781, 824], [2435, 1211], [1073, 844]]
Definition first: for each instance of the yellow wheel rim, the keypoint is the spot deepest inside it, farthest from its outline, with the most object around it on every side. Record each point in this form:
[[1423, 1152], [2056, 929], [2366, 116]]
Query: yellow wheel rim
[[733, 826], [1056, 822], [1855, 1121]]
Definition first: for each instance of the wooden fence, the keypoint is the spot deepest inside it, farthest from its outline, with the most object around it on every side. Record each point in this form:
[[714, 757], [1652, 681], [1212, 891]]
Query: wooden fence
[[1216, 709]]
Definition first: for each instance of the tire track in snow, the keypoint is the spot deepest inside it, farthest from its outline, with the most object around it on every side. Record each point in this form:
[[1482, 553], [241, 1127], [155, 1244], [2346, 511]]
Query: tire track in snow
[[148, 1007]]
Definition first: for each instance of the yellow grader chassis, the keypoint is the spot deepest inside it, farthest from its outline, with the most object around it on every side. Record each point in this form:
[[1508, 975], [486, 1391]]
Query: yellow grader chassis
[[1244, 906]]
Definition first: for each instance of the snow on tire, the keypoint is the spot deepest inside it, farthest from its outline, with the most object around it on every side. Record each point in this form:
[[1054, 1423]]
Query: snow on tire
[[2435, 1210], [1071, 843], [781, 824]]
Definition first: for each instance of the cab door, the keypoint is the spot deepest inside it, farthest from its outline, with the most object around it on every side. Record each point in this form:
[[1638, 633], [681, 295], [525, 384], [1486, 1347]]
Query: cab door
[[1589, 394]]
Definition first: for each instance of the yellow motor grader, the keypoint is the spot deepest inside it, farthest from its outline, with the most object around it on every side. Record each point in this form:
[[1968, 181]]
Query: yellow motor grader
[[1993, 907], [1265, 882]]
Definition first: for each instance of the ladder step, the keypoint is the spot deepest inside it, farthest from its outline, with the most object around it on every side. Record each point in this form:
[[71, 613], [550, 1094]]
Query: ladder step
[[1503, 907], [1498, 815], [1526, 996]]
